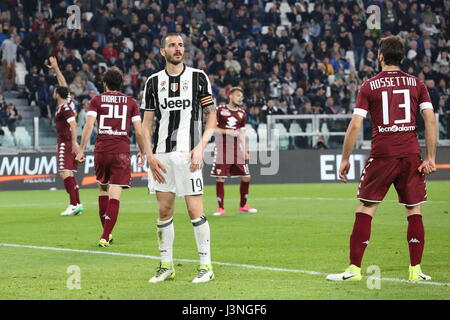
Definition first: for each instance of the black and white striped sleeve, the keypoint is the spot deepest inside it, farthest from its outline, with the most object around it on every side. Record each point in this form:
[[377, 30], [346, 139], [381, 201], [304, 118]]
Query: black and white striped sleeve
[[205, 92], [149, 101]]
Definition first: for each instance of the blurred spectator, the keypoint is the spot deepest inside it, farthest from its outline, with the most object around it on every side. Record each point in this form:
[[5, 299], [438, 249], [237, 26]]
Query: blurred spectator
[[9, 55], [73, 60], [434, 94], [76, 86], [231, 62], [81, 116], [110, 53], [447, 116], [43, 97], [270, 109], [3, 117], [274, 87], [254, 117], [12, 118], [332, 108], [231, 77]]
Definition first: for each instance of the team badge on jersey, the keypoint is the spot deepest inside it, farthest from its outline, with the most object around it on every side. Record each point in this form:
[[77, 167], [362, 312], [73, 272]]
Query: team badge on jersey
[[174, 87], [185, 85]]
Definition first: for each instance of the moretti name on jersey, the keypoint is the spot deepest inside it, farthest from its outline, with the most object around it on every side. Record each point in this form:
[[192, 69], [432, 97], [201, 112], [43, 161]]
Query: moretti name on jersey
[[177, 102]]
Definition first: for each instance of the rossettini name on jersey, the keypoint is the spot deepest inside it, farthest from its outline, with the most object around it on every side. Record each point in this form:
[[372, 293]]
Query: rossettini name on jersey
[[394, 100], [177, 102], [392, 82]]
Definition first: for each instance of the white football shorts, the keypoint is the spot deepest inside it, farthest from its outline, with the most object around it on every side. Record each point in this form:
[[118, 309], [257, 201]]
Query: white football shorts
[[179, 178]]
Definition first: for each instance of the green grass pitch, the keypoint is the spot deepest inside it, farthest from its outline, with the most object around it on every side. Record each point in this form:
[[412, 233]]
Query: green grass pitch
[[302, 227]]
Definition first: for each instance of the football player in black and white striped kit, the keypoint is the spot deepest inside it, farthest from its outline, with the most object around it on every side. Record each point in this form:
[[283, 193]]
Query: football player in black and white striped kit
[[177, 99]]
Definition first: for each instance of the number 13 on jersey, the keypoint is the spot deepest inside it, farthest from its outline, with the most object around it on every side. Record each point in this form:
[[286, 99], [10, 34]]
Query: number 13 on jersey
[[406, 105]]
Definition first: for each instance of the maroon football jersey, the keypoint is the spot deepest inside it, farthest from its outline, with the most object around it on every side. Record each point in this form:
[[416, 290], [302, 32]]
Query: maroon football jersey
[[228, 147], [115, 112], [64, 114], [394, 100]]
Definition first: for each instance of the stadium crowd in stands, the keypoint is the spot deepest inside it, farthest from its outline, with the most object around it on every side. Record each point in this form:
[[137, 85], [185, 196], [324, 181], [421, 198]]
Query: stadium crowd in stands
[[288, 59]]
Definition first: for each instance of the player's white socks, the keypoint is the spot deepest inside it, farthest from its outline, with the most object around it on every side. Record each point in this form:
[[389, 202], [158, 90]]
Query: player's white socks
[[202, 238], [166, 235]]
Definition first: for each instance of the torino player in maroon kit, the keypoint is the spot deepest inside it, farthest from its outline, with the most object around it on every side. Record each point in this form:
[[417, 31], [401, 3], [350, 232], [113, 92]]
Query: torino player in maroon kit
[[66, 129], [114, 113], [231, 155], [394, 100]]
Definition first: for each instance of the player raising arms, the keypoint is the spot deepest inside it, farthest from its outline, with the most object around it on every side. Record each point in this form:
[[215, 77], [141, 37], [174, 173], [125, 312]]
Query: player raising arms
[[394, 100], [114, 113], [177, 96], [66, 129], [231, 155]]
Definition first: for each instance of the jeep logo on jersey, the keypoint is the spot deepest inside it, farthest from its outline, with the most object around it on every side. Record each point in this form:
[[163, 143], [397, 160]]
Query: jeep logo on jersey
[[175, 104], [231, 122]]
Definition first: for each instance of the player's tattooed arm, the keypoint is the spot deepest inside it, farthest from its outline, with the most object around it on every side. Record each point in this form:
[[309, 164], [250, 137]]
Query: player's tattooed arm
[[208, 110]]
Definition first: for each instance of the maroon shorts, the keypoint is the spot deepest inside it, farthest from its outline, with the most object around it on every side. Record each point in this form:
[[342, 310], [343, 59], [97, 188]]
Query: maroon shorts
[[66, 159], [380, 173], [230, 170], [113, 168]]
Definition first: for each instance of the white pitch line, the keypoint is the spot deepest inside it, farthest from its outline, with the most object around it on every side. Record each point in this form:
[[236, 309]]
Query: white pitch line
[[248, 266], [150, 201]]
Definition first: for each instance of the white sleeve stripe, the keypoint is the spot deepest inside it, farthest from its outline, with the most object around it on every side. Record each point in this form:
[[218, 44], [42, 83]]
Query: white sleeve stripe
[[360, 112], [92, 113], [425, 105], [71, 119], [136, 118]]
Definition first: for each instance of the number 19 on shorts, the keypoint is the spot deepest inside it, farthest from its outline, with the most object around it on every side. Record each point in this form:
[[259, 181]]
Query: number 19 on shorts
[[197, 185]]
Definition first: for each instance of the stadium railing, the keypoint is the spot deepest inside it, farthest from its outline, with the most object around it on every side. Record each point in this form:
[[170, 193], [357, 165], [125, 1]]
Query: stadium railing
[[328, 131], [280, 132]]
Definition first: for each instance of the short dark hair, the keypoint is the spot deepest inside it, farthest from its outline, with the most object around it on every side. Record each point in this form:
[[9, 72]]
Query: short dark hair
[[170, 34], [63, 92], [393, 50], [113, 78]]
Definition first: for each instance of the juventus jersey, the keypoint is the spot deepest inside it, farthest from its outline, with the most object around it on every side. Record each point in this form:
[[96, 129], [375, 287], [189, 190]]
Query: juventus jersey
[[177, 102]]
